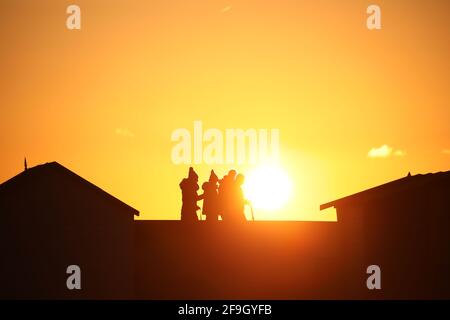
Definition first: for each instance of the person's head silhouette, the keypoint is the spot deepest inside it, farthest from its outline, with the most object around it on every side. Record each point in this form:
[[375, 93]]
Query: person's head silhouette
[[192, 175], [213, 177], [232, 174]]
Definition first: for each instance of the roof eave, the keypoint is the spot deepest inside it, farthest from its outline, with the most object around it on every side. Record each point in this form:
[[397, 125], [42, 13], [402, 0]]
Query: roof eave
[[327, 205]]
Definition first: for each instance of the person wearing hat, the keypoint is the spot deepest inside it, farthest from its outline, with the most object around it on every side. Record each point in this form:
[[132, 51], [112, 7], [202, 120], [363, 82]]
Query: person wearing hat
[[211, 198], [189, 187]]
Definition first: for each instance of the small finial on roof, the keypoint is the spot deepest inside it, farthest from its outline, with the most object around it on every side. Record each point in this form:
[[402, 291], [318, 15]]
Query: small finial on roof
[[409, 174], [25, 164]]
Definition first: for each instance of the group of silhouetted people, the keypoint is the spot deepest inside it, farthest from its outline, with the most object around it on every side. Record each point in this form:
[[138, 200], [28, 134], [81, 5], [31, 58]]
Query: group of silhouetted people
[[222, 198]]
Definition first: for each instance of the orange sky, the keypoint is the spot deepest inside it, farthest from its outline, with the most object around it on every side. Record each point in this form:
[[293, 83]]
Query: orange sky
[[103, 101]]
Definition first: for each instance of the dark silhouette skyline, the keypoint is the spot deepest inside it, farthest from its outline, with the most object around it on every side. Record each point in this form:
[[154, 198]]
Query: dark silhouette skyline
[[51, 218]]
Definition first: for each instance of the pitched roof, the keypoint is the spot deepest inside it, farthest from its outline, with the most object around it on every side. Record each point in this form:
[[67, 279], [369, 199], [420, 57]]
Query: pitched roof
[[403, 184], [55, 169]]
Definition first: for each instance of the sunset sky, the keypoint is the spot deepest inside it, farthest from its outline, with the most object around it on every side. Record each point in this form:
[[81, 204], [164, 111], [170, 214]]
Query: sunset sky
[[355, 108]]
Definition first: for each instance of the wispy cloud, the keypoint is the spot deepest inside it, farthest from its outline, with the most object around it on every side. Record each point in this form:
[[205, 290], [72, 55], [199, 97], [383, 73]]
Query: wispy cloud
[[124, 132], [226, 9], [399, 153], [385, 151], [381, 152], [446, 151]]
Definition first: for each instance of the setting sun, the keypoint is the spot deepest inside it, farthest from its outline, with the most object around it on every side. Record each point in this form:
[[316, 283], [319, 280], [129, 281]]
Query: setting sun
[[268, 187]]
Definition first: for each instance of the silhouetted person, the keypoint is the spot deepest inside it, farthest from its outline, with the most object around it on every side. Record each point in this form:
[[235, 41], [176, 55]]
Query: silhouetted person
[[225, 194], [189, 187], [238, 201], [211, 198]]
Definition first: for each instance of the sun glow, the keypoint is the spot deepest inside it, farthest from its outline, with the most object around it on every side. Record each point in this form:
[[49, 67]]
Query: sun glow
[[268, 188]]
